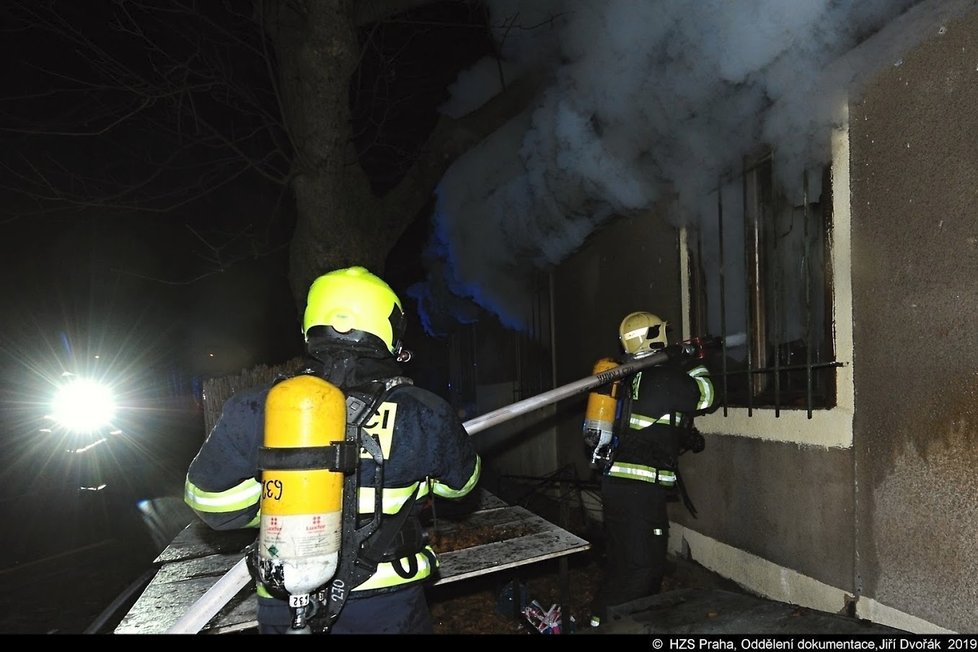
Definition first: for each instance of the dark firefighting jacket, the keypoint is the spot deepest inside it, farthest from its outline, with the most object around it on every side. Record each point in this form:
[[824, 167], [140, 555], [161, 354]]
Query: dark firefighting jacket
[[655, 420], [426, 450]]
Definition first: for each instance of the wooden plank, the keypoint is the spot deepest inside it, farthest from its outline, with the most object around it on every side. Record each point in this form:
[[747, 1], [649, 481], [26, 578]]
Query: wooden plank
[[198, 540], [176, 587], [542, 541], [199, 556], [488, 500], [496, 518]]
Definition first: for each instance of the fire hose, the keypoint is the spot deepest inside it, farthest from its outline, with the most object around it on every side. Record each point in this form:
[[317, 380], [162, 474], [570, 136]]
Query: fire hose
[[215, 598]]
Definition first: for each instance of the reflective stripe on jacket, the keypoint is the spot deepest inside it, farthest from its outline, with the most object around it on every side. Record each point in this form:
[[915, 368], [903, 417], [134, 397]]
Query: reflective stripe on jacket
[[662, 399]]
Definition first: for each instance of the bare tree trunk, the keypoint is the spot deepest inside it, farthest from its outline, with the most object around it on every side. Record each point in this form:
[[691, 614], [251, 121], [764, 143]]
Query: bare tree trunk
[[339, 219], [318, 52]]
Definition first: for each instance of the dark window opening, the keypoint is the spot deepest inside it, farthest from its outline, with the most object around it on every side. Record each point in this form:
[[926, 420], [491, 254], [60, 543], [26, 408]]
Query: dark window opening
[[487, 353], [761, 277]]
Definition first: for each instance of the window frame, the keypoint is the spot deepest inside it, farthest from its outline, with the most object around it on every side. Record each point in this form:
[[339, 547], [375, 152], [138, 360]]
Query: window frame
[[824, 426]]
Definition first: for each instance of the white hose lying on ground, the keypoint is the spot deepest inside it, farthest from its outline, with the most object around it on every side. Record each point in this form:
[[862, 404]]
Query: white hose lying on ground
[[207, 606]]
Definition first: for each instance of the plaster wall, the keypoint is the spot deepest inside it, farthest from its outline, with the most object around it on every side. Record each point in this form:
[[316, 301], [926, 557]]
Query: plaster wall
[[914, 143]]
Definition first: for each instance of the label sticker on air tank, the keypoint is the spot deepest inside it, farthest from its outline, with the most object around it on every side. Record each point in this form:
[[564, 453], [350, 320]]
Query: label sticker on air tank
[[302, 535]]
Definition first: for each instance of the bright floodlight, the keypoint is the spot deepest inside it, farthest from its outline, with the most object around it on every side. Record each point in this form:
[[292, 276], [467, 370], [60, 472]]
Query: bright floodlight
[[83, 406]]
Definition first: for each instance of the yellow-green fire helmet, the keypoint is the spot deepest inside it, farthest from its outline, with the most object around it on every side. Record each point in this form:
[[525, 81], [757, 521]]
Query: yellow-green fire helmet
[[642, 332], [354, 303]]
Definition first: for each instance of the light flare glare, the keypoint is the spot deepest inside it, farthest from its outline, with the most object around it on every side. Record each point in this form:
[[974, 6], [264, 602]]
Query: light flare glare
[[83, 406]]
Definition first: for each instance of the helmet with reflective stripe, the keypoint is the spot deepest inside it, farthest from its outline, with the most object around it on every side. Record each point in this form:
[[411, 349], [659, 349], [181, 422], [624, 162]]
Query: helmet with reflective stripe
[[642, 332], [354, 308]]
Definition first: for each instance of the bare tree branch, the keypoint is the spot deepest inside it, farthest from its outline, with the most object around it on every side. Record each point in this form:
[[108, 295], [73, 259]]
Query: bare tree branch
[[171, 90], [154, 105], [372, 11]]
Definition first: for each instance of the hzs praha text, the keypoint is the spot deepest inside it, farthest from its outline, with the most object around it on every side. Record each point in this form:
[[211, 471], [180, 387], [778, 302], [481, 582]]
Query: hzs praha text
[[950, 643]]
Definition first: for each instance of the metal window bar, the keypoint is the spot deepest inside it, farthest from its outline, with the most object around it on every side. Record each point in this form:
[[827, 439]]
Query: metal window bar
[[758, 301], [749, 323], [723, 293], [809, 316], [532, 359], [463, 369], [778, 205]]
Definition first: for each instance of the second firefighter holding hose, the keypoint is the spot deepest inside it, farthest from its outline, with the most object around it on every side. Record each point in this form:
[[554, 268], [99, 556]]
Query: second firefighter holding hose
[[637, 453]]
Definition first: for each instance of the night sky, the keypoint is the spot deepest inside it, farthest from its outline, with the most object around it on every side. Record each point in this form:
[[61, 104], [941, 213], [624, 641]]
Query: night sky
[[134, 252], [158, 247]]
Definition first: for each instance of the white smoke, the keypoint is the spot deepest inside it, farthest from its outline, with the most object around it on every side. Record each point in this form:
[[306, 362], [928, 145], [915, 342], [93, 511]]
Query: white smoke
[[648, 97]]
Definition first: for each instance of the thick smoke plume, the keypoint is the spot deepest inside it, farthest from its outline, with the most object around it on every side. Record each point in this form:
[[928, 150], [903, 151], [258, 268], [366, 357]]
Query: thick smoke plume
[[649, 100]]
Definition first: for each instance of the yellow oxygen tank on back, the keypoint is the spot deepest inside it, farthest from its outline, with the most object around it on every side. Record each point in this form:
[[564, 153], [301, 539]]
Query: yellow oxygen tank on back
[[599, 416], [301, 507]]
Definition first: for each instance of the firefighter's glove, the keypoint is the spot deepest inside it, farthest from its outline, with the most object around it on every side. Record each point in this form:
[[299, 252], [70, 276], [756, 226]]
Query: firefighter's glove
[[693, 441], [685, 350], [252, 561]]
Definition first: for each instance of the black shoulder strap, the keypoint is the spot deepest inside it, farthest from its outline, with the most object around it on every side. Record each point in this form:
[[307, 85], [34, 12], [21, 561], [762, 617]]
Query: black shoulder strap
[[624, 410], [353, 567]]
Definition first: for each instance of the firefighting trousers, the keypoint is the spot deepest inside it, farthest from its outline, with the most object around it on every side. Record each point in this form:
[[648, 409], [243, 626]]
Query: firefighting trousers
[[636, 527], [401, 611]]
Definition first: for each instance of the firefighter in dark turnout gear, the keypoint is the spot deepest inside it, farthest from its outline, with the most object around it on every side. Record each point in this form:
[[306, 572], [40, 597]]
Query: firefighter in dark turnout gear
[[654, 426], [352, 325]]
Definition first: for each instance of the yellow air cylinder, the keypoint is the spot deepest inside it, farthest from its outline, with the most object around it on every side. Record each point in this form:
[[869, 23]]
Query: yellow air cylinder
[[301, 509], [602, 403]]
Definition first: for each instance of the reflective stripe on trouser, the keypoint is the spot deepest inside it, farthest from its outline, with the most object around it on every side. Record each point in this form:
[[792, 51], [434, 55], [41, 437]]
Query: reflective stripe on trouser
[[644, 473]]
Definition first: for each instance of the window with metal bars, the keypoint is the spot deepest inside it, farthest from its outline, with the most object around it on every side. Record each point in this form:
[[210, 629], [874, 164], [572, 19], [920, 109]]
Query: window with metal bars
[[760, 276], [487, 353]]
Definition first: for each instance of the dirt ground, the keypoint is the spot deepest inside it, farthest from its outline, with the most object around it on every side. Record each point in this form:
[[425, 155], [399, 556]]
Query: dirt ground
[[68, 593], [485, 606]]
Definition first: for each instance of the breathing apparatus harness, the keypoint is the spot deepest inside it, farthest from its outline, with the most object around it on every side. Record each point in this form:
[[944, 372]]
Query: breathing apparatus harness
[[363, 544], [608, 411], [365, 539]]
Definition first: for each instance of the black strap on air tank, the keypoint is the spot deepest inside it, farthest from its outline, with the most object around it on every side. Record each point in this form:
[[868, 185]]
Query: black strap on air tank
[[341, 456], [686, 423], [353, 568]]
